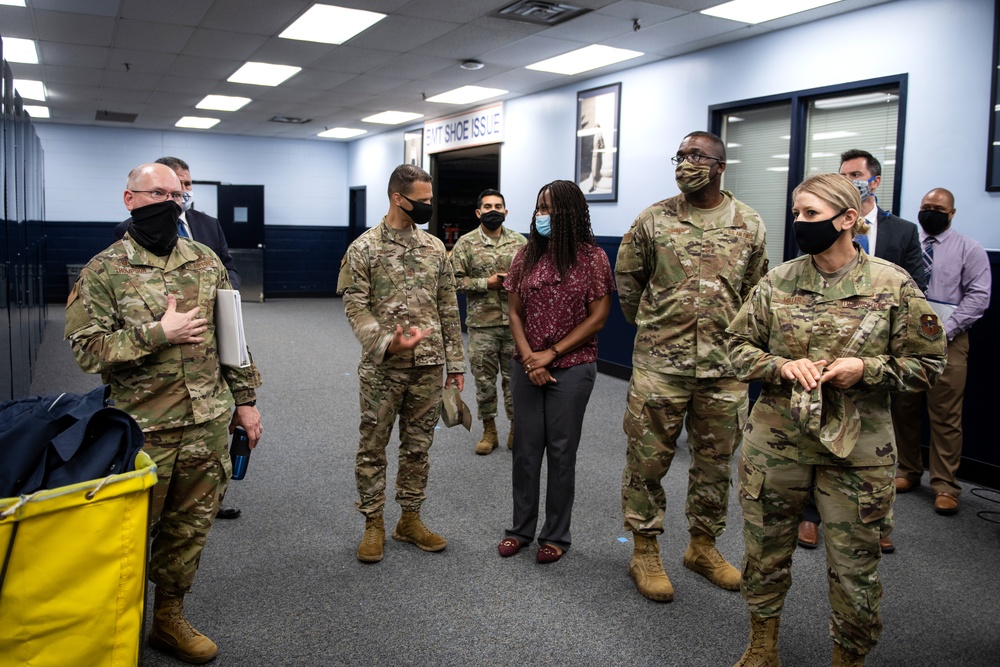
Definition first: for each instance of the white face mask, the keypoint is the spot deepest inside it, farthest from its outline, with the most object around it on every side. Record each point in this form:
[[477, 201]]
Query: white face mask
[[187, 200]]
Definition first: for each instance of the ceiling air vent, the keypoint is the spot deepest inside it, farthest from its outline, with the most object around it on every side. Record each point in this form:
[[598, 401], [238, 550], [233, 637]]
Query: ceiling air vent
[[290, 119], [116, 117], [540, 13]]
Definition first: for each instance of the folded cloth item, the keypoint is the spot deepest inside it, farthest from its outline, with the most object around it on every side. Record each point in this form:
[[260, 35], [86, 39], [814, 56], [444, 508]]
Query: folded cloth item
[[827, 413], [454, 411]]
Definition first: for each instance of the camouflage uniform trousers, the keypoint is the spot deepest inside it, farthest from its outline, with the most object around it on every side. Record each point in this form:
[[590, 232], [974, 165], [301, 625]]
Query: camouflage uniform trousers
[[490, 352], [193, 470], [415, 395], [855, 505], [714, 411]]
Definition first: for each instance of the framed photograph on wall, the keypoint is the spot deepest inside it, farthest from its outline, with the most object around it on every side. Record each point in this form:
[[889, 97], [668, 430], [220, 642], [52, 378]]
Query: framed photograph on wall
[[597, 113], [413, 148]]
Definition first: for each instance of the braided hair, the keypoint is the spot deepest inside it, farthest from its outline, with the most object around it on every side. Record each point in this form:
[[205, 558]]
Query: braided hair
[[570, 228]]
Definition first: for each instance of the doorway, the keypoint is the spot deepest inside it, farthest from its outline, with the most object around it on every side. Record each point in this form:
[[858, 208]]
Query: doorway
[[459, 176]]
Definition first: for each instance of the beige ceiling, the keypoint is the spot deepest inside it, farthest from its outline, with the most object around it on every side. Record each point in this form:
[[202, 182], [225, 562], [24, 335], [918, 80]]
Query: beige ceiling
[[158, 58]]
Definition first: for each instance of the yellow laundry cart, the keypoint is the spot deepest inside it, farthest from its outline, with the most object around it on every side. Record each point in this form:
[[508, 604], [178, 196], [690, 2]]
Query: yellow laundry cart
[[73, 572]]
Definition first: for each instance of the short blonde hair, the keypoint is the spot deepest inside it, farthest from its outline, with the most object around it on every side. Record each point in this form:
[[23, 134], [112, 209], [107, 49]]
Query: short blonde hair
[[837, 191]]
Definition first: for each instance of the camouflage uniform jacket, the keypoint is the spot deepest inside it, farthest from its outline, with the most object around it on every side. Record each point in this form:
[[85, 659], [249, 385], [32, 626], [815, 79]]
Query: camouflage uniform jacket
[[475, 258], [407, 283], [113, 325], [876, 312], [681, 285]]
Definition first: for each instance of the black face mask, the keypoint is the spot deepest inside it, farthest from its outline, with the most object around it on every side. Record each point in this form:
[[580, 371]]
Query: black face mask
[[816, 237], [420, 214], [154, 226], [492, 220], [933, 222]]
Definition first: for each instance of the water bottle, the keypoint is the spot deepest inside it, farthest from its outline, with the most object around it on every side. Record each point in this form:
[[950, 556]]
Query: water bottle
[[239, 452]]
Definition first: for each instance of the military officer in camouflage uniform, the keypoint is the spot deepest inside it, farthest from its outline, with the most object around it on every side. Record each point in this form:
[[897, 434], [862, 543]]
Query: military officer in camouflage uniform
[[830, 334], [683, 269], [399, 297], [480, 260], [142, 314]]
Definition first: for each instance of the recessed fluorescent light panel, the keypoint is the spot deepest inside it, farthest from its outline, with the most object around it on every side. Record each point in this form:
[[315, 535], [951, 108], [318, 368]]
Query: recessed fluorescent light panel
[[392, 117], [467, 95], [12, 3], [755, 11], [330, 25], [223, 102], [37, 111], [17, 50], [263, 74], [30, 90], [341, 133], [196, 122], [584, 60]]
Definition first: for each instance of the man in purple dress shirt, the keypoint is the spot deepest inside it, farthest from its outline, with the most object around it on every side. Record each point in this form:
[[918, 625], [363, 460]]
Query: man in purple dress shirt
[[958, 287]]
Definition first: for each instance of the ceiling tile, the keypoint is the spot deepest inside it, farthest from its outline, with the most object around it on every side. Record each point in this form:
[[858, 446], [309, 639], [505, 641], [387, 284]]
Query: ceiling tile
[[73, 55], [260, 17], [132, 81], [74, 28], [354, 60], [279, 51], [77, 75], [174, 12], [152, 36], [469, 41], [141, 61], [210, 43], [415, 67], [204, 67], [92, 7], [16, 22], [528, 50], [590, 28], [647, 13], [681, 30], [401, 33], [315, 79]]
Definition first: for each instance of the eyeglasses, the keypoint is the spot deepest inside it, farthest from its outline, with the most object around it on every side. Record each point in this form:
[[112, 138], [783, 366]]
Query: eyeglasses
[[694, 158], [160, 195]]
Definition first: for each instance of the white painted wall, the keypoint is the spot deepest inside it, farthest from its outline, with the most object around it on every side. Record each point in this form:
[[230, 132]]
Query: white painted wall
[[86, 167], [945, 48]]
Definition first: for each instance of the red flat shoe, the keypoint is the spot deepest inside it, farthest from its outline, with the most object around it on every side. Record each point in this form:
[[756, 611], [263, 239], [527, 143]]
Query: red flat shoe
[[509, 546], [548, 554]]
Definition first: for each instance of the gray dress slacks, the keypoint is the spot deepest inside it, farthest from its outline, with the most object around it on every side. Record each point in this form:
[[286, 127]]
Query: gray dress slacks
[[548, 423]]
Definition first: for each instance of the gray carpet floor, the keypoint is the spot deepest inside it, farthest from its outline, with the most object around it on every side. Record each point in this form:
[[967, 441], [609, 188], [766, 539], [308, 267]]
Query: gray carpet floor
[[281, 585]]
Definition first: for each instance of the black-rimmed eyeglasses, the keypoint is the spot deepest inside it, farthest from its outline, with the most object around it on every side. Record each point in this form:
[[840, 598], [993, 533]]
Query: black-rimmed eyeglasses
[[694, 158]]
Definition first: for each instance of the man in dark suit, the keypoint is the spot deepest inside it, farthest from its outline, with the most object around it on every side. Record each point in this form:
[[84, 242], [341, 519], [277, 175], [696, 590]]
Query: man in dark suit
[[199, 226], [206, 230], [894, 240]]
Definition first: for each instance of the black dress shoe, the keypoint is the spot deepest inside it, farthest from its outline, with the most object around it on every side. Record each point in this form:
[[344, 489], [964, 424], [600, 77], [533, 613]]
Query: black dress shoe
[[229, 513]]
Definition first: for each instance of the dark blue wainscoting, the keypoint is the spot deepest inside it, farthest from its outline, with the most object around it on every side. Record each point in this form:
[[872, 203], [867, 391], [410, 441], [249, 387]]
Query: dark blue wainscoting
[[298, 261], [302, 261]]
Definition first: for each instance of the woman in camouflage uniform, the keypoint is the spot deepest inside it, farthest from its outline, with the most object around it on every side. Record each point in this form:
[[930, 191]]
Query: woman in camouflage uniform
[[829, 334]]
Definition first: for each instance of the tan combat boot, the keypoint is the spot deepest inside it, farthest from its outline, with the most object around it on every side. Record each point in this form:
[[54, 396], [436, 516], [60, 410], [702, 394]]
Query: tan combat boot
[[173, 635], [490, 439], [370, 549], [763, 649], [646, 569], [510, 436], [702, 557], [411, 529], [844, 658]]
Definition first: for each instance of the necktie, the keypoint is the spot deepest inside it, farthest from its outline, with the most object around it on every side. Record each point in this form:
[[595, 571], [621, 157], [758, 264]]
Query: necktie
[[862, 240], [928, 257], [181, 231]]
